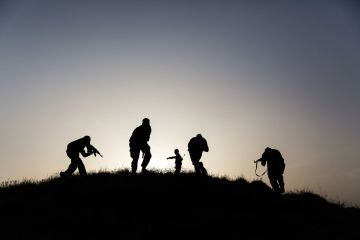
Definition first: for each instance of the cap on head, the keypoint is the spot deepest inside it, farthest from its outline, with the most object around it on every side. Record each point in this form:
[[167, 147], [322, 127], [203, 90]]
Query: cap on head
[[145, 121], [199, 136]]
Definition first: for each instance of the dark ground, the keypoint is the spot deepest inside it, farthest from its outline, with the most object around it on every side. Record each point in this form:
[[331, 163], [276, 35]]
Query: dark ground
[[163, 206]]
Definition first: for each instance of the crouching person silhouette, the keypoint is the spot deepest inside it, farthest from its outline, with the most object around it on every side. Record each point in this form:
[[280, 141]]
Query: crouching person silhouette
[[275, 168], [73, 150], [196, 146], [138, 142]]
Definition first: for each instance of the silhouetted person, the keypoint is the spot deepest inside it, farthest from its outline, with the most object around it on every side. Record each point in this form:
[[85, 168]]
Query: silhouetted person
[[178, 161], [74, 149], [275, 167], [138, 141], [196, 146]]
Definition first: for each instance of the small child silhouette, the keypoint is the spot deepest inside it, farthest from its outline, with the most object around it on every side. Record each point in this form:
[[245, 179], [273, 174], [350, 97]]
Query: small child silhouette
[[178, 161]]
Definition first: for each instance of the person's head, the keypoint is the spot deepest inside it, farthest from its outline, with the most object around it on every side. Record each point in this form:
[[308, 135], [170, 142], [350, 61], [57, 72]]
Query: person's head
[[199, 136], [87, 139], [176, 151], [146, 122], [267, 149]]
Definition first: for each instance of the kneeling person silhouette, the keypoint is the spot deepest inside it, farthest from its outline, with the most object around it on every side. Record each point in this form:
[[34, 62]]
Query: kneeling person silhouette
[[178, 161], [73, 150]]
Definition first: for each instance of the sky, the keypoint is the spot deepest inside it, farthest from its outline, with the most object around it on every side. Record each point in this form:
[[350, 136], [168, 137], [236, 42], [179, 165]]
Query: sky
[[245, 74]]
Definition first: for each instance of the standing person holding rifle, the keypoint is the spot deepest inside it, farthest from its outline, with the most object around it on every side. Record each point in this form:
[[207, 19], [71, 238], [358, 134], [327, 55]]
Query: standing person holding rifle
[[275, 168], [73, 150]]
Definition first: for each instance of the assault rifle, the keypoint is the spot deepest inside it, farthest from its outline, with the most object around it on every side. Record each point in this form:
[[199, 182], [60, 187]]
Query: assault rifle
[[95, 151]]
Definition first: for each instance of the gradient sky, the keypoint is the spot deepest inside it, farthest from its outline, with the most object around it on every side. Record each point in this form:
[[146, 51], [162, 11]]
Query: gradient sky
[[245, 74]]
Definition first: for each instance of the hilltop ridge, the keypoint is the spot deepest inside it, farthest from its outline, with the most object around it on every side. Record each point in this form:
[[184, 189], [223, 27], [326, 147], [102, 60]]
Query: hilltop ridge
[[162, 205]]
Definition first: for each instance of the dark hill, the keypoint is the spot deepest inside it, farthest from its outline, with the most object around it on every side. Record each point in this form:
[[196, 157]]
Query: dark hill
[[163, 206]]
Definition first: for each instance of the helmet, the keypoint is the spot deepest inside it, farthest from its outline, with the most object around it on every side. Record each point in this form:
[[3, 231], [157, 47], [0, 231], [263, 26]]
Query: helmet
[[145, 121], [87, 138]]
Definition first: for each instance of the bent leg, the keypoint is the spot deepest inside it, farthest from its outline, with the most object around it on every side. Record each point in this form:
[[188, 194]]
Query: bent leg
[[147, 156], [197, 167], [134, 153], [202, 169], [177, 168], [74, 157], [195, 159], [81, 167], [273, 182], [71, 169], [281, 183]]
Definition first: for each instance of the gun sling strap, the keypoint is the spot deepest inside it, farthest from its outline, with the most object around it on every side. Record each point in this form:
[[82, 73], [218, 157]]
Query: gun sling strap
[[256, 166]]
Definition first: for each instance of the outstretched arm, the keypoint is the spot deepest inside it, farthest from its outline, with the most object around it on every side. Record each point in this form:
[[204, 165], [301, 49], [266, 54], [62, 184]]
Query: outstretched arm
[[173, 157], [262, 160]]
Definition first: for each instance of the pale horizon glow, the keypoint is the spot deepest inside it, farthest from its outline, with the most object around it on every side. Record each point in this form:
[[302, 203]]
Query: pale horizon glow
[[244, 74]]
